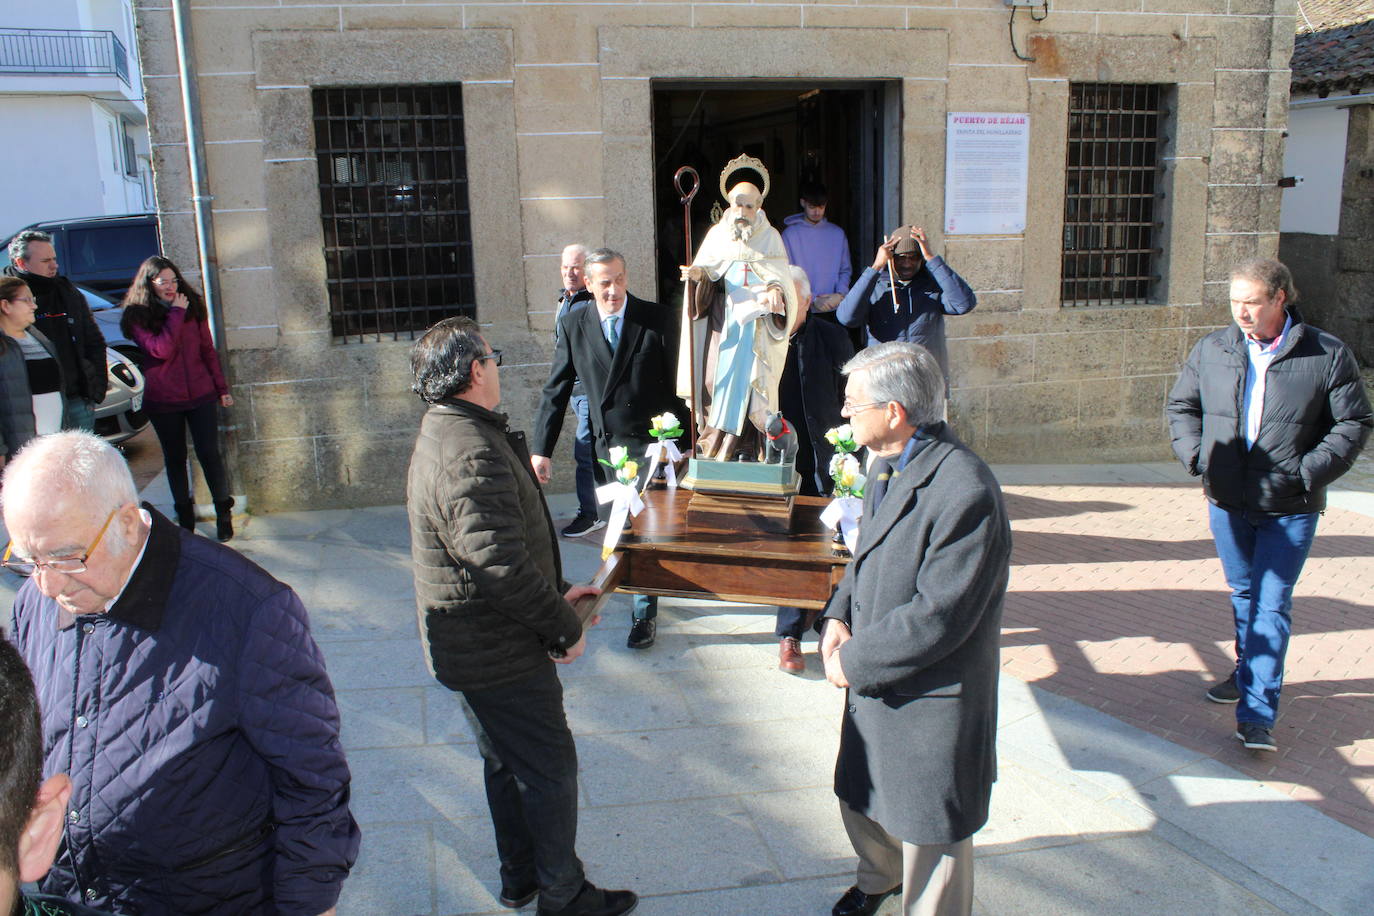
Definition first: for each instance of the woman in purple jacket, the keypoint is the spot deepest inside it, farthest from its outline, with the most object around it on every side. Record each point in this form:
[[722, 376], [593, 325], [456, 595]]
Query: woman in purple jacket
[[183, 383]]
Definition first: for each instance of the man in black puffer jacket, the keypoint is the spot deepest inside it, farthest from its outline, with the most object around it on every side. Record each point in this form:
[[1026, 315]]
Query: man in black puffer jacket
[[495, 613], [1269, 413], [62, 315]]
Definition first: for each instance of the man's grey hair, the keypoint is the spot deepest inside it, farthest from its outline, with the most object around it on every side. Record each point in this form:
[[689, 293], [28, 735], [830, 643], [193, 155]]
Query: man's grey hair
[[72, 465], [603, 256], [19, 245], [906, 373], [577, 248]]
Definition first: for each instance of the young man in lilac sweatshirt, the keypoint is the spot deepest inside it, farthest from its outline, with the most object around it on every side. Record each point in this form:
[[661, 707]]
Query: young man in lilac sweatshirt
[[818, 247]]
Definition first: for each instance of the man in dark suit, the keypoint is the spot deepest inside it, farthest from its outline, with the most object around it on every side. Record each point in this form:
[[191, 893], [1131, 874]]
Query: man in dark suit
[[625, 352], [911, 633]]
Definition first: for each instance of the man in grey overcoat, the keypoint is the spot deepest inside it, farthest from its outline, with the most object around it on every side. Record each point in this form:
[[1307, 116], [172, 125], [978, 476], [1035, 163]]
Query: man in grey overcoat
[[911, 634]]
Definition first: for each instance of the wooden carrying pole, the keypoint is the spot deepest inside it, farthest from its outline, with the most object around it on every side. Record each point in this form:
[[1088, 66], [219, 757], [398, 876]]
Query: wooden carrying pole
[[686, 198]]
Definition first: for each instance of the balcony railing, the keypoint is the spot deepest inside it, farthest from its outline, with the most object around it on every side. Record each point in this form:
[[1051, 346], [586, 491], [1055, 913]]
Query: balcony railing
[[63, 52]]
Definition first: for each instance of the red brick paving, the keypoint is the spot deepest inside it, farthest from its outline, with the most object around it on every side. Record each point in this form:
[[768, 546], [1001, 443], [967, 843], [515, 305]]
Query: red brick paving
[[1117, 601]]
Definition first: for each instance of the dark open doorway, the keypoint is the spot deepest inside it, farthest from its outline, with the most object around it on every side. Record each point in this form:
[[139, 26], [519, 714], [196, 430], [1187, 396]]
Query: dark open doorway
[[843, 134]]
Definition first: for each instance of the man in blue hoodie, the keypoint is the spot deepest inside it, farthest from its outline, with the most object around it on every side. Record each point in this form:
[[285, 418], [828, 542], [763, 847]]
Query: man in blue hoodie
[[818, 247]]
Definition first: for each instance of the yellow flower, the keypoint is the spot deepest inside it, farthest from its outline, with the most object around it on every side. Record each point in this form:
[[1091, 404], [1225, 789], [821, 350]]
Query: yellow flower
[[848, 475], [842, 437], [629, 471]]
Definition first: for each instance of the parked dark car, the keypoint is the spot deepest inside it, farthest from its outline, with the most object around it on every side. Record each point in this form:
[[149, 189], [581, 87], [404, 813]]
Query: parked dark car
[[101, 252]]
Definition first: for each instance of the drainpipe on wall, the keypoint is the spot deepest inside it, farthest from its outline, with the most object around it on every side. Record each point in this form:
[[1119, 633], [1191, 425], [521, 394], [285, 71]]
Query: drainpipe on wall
[[200, 202]]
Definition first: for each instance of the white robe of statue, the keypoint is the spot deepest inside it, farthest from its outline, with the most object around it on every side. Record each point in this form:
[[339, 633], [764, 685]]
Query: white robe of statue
[[751, 346]]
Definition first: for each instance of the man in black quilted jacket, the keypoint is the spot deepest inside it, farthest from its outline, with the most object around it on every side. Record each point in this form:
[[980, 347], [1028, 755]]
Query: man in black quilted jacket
[[183, 696], [495, 614], [1268, 412]]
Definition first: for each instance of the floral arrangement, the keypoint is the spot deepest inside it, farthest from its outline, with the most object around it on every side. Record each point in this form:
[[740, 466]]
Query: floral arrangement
[[842, 437], [848, 475], [626, 468], [845, 468], [665, 426]]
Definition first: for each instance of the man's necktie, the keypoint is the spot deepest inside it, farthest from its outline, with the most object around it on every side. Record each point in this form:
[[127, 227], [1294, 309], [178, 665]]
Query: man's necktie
[[880, 475], [612, 334]]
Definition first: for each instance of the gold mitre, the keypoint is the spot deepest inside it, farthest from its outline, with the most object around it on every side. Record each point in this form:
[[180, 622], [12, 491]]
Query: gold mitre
[[743, 162]]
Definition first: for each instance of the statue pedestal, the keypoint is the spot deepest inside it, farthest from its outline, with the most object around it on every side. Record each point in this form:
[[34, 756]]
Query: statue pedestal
[[666, 556], [741, 495]]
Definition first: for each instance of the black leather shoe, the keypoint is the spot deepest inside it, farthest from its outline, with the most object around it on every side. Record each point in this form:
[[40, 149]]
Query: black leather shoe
[[642, 632], [516, 897], [593, 901], [856, 903]]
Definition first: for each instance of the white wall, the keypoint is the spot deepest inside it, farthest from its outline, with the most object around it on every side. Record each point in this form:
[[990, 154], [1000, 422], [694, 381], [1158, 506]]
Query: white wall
[[1315, 150], [54, 170]]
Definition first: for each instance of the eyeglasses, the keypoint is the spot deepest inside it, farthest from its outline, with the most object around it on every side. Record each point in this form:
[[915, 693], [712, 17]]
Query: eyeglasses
[[852, 409], [28, 299], [67, 565], [165, 281], [494, 354]]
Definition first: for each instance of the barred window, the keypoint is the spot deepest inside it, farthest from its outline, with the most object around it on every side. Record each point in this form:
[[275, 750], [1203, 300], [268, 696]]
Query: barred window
[[1111, 191], [394, 202]]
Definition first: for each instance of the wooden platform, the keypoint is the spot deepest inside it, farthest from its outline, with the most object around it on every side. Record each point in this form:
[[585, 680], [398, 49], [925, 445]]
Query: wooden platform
[[662, 557]]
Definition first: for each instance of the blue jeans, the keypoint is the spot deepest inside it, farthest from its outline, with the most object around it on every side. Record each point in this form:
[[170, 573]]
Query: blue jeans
[[1262, 557], [78, 413], [585, 457]]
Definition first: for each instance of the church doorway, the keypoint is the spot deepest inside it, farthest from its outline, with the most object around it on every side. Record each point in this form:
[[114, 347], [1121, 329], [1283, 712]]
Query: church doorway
[[844, 134]]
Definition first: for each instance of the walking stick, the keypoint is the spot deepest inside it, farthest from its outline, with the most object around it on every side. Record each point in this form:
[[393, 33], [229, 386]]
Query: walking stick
[[892, 282], [686, 200]]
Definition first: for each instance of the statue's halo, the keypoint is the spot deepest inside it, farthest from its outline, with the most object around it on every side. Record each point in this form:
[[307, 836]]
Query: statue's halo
[[743, 162]]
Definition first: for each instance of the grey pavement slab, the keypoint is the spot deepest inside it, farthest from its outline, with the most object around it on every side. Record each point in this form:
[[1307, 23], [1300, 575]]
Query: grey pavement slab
[[1137, 874]]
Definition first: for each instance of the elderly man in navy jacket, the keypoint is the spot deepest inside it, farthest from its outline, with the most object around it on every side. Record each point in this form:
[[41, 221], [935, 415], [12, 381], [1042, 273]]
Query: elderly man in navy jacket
[[183, 695]]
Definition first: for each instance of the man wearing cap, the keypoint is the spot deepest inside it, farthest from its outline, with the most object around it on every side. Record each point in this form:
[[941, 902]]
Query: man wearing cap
[[906, 295]]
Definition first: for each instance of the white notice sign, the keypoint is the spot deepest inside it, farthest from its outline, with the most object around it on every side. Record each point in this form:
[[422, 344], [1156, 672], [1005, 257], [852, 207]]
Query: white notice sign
[[985, 173]]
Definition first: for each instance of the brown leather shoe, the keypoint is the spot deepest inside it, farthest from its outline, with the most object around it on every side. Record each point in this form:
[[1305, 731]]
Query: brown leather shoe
[[790, 658]]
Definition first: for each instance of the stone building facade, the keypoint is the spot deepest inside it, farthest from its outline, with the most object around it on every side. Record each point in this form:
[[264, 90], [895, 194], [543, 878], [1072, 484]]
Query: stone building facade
[[558, 122]]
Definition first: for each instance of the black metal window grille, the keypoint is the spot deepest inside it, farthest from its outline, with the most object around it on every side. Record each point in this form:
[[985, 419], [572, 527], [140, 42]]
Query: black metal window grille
[[394, 202], [80, 52], [1111, 188]]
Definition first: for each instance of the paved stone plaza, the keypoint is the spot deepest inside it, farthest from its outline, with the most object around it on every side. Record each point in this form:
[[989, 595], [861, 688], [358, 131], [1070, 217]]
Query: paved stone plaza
[[706, 772]]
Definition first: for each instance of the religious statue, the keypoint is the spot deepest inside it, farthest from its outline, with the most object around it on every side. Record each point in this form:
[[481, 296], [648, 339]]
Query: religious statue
[[739, 308]]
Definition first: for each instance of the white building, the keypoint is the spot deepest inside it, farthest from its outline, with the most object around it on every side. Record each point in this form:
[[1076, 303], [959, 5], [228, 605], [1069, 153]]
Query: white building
[[71, 97], [1327, 220]]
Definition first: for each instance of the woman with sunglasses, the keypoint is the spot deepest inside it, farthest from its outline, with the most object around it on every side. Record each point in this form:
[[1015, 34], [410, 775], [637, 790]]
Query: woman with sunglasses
[[31, 382], [183, 383]]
